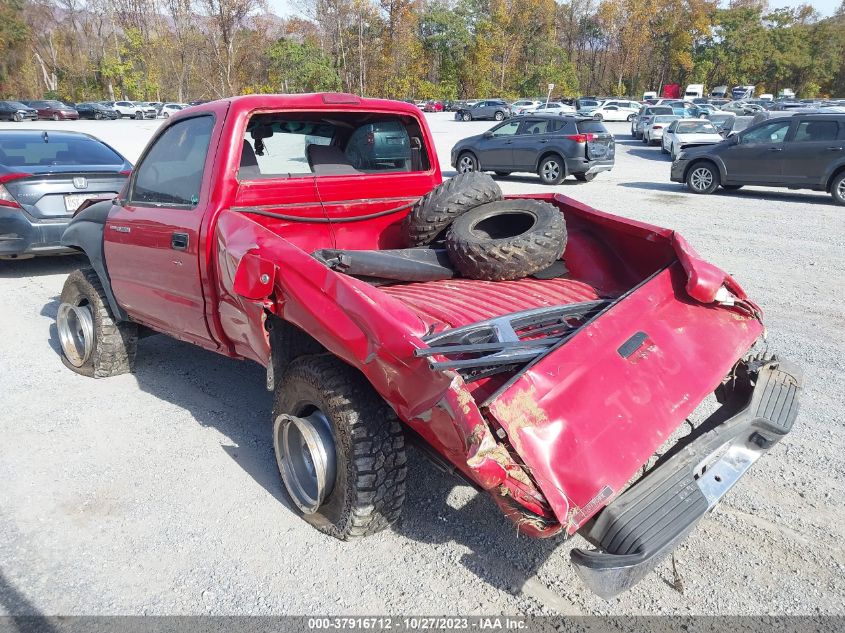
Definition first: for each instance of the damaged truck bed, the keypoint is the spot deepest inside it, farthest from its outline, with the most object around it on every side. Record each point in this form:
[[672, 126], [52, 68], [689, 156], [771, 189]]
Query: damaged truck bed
[[552, 393]]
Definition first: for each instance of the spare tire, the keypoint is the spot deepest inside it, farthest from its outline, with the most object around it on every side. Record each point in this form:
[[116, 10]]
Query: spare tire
[[503, 240], [431, 216]]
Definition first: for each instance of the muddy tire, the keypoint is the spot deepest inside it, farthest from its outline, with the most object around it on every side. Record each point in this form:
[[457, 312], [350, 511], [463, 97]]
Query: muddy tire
[[93, 344], [510, 239], [431, 216], [359, 465]]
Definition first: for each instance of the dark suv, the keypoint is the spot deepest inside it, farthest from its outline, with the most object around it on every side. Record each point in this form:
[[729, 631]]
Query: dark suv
[[488, 109], [551, 146], [804, 151]]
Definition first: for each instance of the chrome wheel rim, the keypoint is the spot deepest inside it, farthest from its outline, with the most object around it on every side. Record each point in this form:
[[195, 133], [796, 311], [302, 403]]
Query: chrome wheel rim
[[551, 170], [499, 116], [75, 325], [840, 190], [466, 164], [701, 179], [306, 456]]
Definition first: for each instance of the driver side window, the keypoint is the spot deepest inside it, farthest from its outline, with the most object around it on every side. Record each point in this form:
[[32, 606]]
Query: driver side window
[[508, 129], [171, 172], [769, 133]]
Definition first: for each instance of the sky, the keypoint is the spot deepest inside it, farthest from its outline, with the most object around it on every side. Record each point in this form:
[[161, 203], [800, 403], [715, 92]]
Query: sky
[[825, 7]]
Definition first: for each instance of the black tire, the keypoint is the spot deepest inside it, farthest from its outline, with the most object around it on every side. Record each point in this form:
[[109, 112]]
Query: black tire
[[369, 485], [432, 215], [510, 239], [467, 163], [55, 117], [18, 117], [139, 116], [503, 174], [598, 117], [97, 116], [585, 177], [499, 116], [466, 116], [552, 170], [644, 139], [731, 187], [703, 178], [837, 188], [630, 118], [113, 344]]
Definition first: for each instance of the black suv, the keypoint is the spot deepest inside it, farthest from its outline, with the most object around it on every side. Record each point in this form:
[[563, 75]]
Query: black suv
[[549, 145], [804, 151]]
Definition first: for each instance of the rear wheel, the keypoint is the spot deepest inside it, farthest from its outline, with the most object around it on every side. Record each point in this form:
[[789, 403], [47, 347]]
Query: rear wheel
[[644, 139], [837, 189], [467, 163], [552, 170], [339, 448], [499, 116], [703, 178], [93, 344]]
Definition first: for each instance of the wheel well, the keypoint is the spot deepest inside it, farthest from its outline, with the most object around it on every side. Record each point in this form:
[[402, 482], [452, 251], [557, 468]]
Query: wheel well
[[698, 161], [833, 176], [287, 343], [549, 154]]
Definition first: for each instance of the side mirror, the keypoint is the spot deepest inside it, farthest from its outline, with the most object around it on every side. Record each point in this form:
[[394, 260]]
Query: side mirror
[[487, 134]]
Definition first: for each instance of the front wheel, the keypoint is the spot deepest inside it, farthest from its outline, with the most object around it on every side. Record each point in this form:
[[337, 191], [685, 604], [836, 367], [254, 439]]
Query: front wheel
[[466, 116], [597, 117], [837, 189], [630, 118], [585, 177], [552, 171], [93, 343], [339, 448], [499, 116], [467, 163], [139, 116], [97, 116], [703, 178], [55, 117], [18, 117]]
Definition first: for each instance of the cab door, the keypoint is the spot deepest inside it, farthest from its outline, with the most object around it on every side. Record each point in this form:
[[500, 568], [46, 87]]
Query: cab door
[[152, 236], [809, 153], [757, 156]]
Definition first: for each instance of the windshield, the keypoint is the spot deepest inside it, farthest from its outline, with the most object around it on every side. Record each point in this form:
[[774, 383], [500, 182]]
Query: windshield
[[696, 127], [740, 123], [659, 110]]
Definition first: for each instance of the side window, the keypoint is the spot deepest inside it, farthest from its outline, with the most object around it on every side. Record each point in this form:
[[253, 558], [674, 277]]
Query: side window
[[534, 126], [809, 131], [508, 129], [672, 126], [171, 172], [768, 133]]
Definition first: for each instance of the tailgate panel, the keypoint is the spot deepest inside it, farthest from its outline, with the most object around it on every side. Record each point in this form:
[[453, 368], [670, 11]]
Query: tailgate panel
[[586, 417]]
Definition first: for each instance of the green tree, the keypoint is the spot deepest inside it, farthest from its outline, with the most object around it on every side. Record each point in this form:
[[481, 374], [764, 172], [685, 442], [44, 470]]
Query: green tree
[[296, 67]]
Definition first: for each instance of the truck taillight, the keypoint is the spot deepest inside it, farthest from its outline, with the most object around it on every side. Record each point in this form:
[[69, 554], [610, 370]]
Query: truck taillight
[[581, 138]]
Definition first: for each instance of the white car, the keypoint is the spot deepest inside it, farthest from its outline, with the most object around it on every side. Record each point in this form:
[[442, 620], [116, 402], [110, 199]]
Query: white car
[[653, 132], [523, 105], [552, 107], [615, 111], [688, 133], [171, 108], [134, 109]]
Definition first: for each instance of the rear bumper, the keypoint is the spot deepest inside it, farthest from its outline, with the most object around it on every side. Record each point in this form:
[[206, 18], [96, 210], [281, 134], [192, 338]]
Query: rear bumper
[[585, 166], [644, 524], [21, 235]]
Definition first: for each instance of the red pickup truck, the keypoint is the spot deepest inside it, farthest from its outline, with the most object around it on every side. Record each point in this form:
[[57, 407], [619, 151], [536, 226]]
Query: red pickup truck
[[564, 396]]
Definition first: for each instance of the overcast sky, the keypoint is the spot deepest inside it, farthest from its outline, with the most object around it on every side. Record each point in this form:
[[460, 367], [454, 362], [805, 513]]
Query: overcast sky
[[825, 7]]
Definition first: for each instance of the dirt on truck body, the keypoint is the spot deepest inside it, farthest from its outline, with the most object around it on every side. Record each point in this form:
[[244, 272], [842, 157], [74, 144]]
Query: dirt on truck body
[[266, 228]]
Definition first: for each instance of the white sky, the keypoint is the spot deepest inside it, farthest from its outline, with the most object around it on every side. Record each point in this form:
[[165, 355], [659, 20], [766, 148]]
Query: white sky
[[825, 7]]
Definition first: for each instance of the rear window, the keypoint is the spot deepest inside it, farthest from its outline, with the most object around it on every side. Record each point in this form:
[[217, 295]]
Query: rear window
[[596, 127], [67, 151], [809, 131], [283, 145]]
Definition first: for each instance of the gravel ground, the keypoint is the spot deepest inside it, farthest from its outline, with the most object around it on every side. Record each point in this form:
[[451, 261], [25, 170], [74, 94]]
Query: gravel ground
[[157, 493]]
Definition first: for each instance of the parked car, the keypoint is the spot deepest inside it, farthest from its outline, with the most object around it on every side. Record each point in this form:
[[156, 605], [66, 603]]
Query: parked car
[[487, 109], [16, 111], [609, 111], [134, 110], [168, 109], [588, 362], [433, 106], [552, 107], [735, 125], [551, 146], [644, 116], [803, 151], [147, 108], [44, 177], [97, 111], [741, 107], [55, 110], [705, 109], [586, 105], [379, 146], [653, 133], [686, 133], [524, 105]]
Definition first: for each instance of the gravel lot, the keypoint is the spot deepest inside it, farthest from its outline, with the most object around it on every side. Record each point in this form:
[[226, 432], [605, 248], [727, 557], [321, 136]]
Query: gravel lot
[[157, 493]]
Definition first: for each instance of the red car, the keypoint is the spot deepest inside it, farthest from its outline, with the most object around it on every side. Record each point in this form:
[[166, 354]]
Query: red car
[[433, 106], [55, 110], [261, 240]]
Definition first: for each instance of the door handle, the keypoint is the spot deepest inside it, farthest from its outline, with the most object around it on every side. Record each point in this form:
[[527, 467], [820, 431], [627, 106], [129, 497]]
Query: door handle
[[834, 149], [775, 149], [179, 241], [544, 140]]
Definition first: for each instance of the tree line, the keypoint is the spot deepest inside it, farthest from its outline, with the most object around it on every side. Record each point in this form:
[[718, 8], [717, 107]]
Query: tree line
[[449, 49]]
